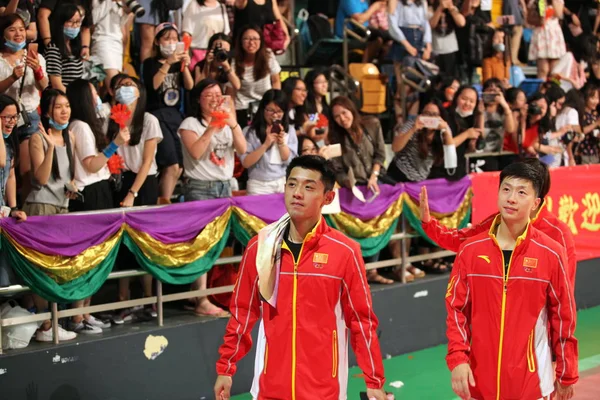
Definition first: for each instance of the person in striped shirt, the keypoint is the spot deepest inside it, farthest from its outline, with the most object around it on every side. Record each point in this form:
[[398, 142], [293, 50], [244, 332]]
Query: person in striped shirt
[[63, 60]]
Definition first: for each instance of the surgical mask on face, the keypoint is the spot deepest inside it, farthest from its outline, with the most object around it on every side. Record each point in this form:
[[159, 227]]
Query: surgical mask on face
[[98, 103], [499, 47], [126, 95], [57, 126], [168, 49], [71, 33], [463, 114], [14, 46]]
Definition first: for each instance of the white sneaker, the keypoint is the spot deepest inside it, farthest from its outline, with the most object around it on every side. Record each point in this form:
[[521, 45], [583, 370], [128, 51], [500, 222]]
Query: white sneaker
[[98, 323], [46, 336]]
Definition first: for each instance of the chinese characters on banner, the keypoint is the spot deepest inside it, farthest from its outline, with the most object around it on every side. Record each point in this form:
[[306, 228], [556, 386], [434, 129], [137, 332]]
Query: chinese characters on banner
[[574, 198]]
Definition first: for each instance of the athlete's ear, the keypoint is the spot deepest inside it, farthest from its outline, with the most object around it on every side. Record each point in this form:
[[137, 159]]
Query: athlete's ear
[[536, 204], [329, 197]]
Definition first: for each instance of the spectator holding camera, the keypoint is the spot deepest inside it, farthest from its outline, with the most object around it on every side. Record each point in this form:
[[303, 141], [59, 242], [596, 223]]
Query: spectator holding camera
[[217, 64], [202, 19], [165, 75], [539, 123], [63, 58], [498, 121], [271, 145], [587, 150], [257, 69], [22, 77]]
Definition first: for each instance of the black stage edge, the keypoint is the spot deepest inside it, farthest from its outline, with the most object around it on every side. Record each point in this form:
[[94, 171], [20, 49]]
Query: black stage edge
[[114, 367]]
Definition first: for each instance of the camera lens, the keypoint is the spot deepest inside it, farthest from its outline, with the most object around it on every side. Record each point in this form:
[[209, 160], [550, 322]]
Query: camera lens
[[135, 8], [221, 55]]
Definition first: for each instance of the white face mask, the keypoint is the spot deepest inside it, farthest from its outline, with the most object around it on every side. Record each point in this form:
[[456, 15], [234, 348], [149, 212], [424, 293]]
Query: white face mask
[[450, 158], [463, 114], [168, 49]]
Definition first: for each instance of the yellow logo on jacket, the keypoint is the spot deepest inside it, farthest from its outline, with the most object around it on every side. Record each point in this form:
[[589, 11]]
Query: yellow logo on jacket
[[450, 286], [486, 258]]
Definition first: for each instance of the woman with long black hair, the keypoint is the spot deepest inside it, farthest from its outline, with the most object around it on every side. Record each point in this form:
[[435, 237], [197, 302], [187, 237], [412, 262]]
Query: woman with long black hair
[[92, 151], [9, 158], [139, 183], [271, 145], [52, 172], [63, 59]]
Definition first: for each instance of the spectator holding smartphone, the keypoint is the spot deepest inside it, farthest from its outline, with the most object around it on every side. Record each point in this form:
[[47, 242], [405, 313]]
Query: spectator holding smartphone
[[272, 144], [27, 67], [217, 64], [418, 145], [462, 114]]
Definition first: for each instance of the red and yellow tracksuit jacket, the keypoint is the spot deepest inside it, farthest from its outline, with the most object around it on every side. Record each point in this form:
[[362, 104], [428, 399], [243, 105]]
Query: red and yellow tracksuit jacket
[[498, 323], [545, 221], [323, 300]]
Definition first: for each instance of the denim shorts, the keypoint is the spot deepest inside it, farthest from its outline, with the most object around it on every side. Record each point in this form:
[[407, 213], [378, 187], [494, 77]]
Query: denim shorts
[[206, 190], [415, 37]]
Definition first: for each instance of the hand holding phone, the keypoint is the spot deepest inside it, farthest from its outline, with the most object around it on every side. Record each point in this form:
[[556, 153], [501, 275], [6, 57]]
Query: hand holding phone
[[276, 127]]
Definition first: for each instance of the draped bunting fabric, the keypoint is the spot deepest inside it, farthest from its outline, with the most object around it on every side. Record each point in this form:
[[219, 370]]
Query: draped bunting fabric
[[68, 257]]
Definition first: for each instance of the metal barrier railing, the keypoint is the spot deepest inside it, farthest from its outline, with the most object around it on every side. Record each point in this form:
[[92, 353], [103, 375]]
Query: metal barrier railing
[[159, 299]]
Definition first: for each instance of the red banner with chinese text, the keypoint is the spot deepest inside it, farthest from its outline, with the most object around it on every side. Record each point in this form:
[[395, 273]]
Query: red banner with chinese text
[[574, 198]]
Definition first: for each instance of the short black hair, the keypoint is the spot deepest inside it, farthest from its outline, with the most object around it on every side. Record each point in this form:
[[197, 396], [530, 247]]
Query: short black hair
[[544, 173], [526, 171], [314, 163]]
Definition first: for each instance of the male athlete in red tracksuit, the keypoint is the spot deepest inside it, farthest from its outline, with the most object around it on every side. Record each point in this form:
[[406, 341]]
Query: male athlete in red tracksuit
[[542, 219], [509, 286], [323, 300]]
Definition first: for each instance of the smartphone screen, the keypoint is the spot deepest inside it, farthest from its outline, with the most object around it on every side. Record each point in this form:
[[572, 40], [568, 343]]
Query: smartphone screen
[[33, 48], [180, 47]]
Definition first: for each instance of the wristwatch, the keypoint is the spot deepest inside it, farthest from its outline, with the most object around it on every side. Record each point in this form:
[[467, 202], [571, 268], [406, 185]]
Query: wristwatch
[[135, 194]]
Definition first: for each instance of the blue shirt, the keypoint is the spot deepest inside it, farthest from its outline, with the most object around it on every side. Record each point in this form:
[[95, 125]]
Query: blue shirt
[[346, 9], [263, 170]]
